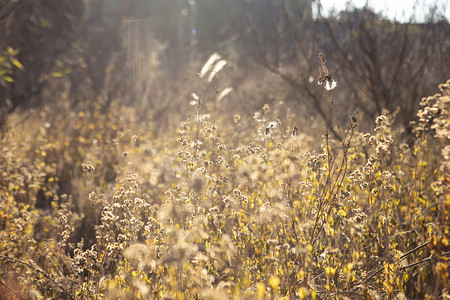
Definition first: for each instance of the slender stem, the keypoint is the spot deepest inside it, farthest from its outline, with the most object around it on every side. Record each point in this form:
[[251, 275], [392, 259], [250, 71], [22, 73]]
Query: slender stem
[[413, 250], [417, 263]]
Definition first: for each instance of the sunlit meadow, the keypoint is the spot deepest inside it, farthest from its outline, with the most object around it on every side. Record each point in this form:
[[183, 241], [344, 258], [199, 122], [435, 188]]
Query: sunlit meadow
[[97, 205]]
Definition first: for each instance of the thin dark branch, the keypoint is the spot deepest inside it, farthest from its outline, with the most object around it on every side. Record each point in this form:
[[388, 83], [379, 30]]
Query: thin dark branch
[[9, 9], [417, 263], [413, 250], [371, 276]]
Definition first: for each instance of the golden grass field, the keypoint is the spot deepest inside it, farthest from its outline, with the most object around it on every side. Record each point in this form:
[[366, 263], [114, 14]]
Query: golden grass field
[[97, 205]]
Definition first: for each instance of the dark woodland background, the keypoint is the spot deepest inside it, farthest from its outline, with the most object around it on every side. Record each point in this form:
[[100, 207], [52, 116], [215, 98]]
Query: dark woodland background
[[146, 53]]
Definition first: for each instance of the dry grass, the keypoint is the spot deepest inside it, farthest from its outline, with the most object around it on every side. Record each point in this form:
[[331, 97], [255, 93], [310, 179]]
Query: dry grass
[[95, 206]]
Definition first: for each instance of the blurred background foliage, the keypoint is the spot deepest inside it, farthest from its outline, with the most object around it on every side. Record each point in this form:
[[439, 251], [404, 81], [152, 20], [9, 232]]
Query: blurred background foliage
[[146, 53]]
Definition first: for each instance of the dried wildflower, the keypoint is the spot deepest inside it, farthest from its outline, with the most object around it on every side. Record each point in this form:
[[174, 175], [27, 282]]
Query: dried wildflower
[[356, 176], [221, 146], [88, 167], [271, 125], [266, 109], [236, 119], [354, 119], [382, 148], [380, 119], [330, 84], [228, 201], [344, 194], [294, 131], [257, 117], [322, 257], [93, 197], [366, 136], [223, 178], [183, 140], [185, 125]]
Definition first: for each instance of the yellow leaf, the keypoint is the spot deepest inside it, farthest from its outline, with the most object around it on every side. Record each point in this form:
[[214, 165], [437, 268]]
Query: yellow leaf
[[16, 63], [434, 240], [274, 281], [11, 52], [9, 79], [302, 293], [330, 271], [389, 288], [261, 287]]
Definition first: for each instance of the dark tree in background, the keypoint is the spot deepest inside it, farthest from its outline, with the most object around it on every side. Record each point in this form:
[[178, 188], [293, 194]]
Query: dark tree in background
[[42, 32], [378, 63], [385, 64], [70, 43]]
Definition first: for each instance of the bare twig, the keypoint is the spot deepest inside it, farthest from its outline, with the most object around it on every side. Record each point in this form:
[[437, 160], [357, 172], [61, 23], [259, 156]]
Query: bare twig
[[9, 9], [417, 263], [334, 181], [342, 293], [371, 276], [413, 250]]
